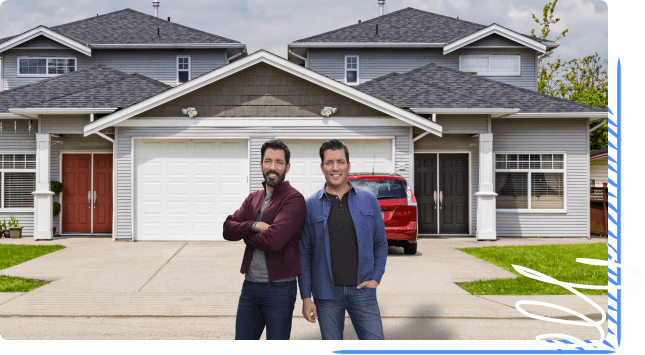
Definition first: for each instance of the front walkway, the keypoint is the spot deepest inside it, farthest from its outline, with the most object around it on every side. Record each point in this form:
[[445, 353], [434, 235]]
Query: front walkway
[[98, 277]]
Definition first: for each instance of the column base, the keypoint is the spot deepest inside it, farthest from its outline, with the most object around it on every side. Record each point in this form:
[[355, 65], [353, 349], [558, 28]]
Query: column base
[[43, 218]]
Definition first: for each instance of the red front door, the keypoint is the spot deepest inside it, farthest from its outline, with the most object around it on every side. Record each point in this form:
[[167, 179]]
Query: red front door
[[77, 185], [103, 191], [87, 193]]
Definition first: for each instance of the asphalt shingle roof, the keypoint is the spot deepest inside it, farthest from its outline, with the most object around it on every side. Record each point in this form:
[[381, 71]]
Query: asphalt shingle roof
[[132, 27], [454, 85], [407, 25], [96, 87]]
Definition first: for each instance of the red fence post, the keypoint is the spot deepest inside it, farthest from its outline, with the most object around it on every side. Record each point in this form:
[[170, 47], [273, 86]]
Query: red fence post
[[605, 201]]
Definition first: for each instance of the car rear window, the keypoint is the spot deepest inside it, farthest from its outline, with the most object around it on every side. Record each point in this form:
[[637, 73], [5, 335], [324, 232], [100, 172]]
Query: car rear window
[[383, 189]]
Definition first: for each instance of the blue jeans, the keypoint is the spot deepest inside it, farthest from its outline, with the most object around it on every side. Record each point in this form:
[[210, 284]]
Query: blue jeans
[[362, 308], [269, 304]]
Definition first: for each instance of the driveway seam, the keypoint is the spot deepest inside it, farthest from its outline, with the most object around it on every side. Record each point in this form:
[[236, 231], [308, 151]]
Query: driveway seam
[[162, 266]]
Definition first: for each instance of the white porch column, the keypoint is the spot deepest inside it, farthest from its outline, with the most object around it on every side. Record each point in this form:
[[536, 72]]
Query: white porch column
[[486, 209], [43, 197]]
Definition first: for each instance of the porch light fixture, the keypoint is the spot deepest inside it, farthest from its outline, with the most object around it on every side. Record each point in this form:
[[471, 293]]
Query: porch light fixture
[[191, 112], [328, 111]]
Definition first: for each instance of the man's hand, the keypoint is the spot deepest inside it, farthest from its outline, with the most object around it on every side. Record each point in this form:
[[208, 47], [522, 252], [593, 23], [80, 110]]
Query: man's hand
[[261, 226], [368, 283], [309, 310]]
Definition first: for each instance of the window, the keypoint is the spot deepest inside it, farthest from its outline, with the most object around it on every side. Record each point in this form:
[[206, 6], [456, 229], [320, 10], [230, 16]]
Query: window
[[351, 69], [530, 181], [183, 69], [29, 66], [17, 180], [492, 65]]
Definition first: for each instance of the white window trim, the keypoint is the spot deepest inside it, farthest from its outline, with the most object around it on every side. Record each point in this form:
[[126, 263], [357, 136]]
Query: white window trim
[[358, 69], [2, 171], [528, 186], [190, 67], [42, 75], [519, 64]]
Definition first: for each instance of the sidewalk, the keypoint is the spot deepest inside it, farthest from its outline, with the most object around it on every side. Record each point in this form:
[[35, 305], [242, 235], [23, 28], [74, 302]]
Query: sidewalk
[[97, 277]]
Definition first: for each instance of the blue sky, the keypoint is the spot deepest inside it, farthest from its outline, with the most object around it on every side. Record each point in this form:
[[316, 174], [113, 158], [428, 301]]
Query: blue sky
[[271, 24]]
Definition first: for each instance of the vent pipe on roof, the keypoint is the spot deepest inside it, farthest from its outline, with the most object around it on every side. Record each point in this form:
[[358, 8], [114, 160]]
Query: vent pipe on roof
[[155, 4], [381, 5]]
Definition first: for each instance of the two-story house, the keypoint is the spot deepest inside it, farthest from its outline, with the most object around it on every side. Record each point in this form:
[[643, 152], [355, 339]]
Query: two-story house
[[487, 155], [121, 57], [531, 179]]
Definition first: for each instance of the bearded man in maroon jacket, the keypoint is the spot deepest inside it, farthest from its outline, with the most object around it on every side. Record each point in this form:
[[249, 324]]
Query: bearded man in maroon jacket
[[269, 222]]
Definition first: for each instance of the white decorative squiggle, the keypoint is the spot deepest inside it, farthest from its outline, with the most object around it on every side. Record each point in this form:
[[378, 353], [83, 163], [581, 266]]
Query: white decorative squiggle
[[541, 339]]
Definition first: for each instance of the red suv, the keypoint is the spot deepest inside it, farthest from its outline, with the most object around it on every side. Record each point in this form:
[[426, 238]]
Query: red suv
[[398, 206]]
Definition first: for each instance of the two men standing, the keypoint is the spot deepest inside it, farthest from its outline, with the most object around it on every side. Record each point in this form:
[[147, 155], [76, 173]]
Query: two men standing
[[340, 256]]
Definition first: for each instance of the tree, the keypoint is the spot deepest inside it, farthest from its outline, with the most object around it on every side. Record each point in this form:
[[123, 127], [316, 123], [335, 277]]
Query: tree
[[580, 80]]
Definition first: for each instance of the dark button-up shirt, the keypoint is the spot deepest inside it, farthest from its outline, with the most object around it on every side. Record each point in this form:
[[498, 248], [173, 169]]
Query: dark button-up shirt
[[313, 247]]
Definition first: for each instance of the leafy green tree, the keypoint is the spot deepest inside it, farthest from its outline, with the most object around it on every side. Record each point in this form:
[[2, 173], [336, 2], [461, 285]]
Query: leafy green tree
[[580, 80]]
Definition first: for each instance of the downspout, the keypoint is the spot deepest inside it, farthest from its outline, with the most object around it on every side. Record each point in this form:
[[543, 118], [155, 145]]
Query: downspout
[[598, 126], [237, 55], [299, 56]]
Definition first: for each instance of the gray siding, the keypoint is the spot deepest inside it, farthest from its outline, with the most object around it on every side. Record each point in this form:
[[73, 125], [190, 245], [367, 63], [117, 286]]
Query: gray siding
[[156, 64], [19, 141], [494, 40], [374, 63], [257, 138], [73, 143], [548, 135], [42, 42], [455, 143]]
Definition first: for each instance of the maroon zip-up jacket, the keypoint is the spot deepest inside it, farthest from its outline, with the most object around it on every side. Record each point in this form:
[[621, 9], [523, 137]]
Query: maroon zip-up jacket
[[285, 214]]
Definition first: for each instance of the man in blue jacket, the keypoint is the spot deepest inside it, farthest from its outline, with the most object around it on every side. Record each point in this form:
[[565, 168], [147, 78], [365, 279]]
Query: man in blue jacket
[[342, 252]]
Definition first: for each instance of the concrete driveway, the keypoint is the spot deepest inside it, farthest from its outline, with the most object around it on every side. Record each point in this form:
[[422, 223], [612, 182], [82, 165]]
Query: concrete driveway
[[104, 289]]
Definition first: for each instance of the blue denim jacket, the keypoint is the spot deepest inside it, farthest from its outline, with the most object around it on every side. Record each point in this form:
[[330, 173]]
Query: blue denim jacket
[[313, 247]]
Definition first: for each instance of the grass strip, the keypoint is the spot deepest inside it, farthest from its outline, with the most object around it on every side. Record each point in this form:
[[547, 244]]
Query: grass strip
[[13, 254], [555, 260]]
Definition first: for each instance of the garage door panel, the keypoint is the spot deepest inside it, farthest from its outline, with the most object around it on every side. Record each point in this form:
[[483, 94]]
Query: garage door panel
[[185, 189]]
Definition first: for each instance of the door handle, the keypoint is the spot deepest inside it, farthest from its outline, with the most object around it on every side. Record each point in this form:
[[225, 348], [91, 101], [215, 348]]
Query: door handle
[[94, 199], [440, 199], [435, 200], [89, 199]]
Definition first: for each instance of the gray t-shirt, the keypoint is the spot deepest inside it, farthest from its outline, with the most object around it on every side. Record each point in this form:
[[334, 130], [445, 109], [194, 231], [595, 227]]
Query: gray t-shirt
[[257, 270]]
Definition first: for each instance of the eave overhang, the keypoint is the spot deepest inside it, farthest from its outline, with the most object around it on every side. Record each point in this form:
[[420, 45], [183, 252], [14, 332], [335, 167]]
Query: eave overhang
[[54, 36], [34, 112], [499, 30]]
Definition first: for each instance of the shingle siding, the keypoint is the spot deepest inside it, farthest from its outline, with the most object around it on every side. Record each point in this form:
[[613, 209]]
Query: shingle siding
[[156, 64], [548, 135], [374, 63]]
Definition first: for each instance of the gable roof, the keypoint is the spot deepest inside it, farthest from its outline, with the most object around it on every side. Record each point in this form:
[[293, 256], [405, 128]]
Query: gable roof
[[277, 62], [96, 87], [443, 87], [130, 27], [407, 25]]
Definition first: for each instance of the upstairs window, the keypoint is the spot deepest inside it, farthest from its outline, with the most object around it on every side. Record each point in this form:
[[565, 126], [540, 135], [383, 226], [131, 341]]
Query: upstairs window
[[31, 66], [351, 69], [491, 65], [183, 69]]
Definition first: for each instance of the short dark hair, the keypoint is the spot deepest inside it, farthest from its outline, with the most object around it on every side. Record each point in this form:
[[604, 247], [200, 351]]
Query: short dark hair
[[333, 144], [276, 144]]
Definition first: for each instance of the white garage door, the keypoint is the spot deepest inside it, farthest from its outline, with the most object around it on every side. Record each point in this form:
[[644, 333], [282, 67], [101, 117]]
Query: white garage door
[[185, 189], [305, 174]]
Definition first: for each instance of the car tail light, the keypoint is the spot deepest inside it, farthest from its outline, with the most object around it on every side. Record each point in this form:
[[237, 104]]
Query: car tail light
[[412, 201]]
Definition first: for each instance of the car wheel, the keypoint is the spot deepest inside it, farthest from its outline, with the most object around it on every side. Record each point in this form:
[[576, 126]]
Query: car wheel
[[410, 248]]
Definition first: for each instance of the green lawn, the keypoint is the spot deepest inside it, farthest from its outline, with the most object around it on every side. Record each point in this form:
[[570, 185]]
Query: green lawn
[[11, 255], [555, 260]]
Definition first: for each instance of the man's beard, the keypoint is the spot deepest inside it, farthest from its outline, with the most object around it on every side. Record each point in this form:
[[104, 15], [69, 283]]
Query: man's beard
[[277, 182]]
